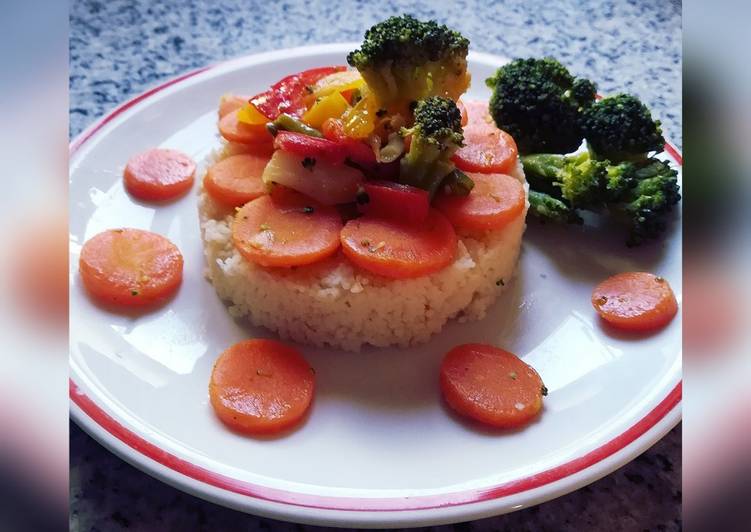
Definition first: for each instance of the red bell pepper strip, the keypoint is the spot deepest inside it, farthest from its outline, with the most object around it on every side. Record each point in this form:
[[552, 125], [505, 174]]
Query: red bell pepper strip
[[287, 95], [386, 199], [357, 151], [313, 147]]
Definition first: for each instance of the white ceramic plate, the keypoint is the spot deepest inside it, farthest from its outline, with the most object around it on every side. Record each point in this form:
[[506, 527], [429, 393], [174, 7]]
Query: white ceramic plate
[[380, 448]]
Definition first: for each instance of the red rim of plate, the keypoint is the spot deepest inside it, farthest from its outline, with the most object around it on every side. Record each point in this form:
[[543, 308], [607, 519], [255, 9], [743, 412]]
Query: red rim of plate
[[148, 449]]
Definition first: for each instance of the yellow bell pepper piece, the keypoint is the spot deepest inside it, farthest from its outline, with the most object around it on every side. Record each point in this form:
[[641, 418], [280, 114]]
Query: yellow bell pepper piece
[[332, 106], [338, 82], [360, 120], [248, 114]]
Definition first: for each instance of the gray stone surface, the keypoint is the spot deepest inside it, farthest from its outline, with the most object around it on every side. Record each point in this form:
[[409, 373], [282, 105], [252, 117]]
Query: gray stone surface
[[120, 48]]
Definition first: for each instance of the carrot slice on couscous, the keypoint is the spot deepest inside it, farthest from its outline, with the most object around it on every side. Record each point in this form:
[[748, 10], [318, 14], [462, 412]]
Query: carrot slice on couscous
[[495, 200], [159, 174], [286, 230], [235, 131], [130, 267], [236, 180], [491, 385], [635, 301], [231, 102], [261, 386], [397, 249], [486, 148]]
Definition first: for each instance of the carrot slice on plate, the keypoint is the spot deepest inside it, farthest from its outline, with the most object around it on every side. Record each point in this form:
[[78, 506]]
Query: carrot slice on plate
[[236, 180], [159, 174], [286, 230], [399, 250], [486, 148], [261, 386], [231, 102], [635, 301], [235, 131], [491, 385], [495, 200], [130, 267]]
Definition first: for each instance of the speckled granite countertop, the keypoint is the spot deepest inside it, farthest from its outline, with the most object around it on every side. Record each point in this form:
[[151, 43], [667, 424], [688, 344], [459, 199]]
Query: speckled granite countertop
[[118, 48]]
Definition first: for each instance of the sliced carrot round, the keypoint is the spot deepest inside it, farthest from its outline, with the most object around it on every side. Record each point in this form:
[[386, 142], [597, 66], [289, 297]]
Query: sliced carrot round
[[261, 386], [231, 102], [236, 180], [159, 174], [235, 131], [491, 385], [286, 230], [495, 200], [130, 267], [635, 301], [399, 250], [486, 148]]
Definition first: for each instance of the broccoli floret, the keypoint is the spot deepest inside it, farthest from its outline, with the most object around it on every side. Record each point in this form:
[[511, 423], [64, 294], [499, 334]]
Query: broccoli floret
[[620, 179], [579, 179], [655, 194], [621, 128], [404, 60], [550, 209], [538, 102], [641, 192], [583, 90], [435, 136]]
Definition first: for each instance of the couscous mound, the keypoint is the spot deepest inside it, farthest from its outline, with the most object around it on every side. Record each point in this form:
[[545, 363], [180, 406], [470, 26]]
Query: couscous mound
[[334, 303]]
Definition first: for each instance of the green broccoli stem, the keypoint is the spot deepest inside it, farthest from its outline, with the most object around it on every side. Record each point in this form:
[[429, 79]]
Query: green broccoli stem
[[544, 165], [541, 171], [424, 166], [578, 179], [550, 209]]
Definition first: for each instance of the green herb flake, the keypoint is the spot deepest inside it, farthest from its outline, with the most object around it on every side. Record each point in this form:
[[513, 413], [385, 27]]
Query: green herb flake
[[308, 210], [544, 390], [512, 375], [264, 227], [309, 163], [134, 292]]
